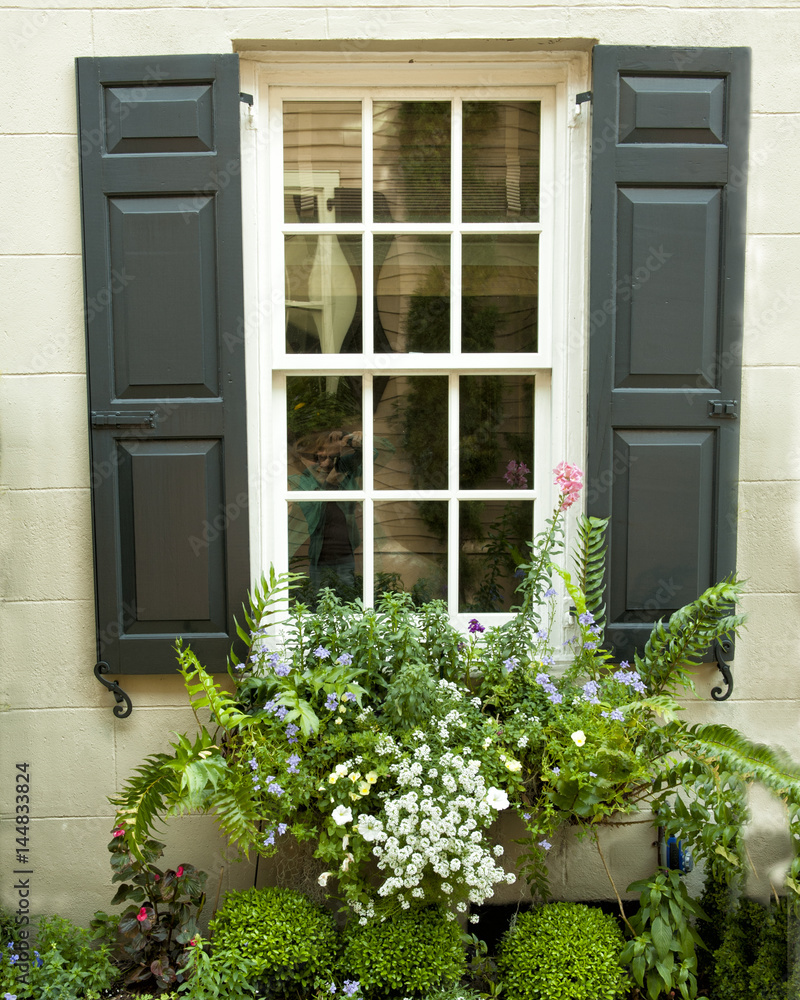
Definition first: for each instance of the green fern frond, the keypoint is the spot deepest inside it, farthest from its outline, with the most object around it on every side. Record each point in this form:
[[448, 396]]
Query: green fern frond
[[589, 559], [236, 813], [771, 766], [204, 692], [674, 648], [142, 802], [265, 600]]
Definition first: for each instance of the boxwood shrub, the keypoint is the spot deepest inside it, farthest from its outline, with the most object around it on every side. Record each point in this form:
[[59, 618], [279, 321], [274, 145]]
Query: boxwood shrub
[[289, 939], [416, 951], [563, 951]]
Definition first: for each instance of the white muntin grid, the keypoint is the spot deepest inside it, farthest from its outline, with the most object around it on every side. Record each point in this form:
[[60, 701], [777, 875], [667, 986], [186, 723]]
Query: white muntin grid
[[549, 417]]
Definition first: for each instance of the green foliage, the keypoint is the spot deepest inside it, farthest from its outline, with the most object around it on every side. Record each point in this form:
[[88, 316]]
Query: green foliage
[[563, 951], [227, 977], [66, 966], [154, 931], [662, 956], [589, 560], [673, 649], [715, 902], [286, 939], [751, 962], [414, 953]]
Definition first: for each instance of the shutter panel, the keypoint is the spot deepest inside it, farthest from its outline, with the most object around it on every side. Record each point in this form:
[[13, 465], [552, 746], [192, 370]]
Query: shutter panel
[[163, 282], [669, 163]]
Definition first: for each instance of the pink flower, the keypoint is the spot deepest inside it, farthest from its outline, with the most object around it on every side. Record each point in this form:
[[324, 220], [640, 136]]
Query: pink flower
[[569, 480], [179, 872], [119, 832], [142, 914], [516, 474], [156, 878]]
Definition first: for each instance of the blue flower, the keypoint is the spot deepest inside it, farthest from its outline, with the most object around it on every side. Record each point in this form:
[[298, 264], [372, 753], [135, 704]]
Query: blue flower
[[542, 633], [475, 626], [331, 701], [291, 730], [332, 988], [253, 763], [282, 669], [269, 840], [351, 986], [592, 774], [292, 763], [345, 659], [542, 679], [551, 592], [511, 663], [617, 715], [322, 653], [590, 645], [282, 828], [275, 788], [556, 770], [526, 815], [555, 697], [587, 618], [545, 844]]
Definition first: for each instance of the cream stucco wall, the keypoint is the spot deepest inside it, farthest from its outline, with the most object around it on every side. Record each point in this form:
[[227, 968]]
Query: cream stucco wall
[[53, 714]]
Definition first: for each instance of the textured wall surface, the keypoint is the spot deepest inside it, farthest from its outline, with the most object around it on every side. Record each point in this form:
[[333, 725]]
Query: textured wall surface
[[53, 714]]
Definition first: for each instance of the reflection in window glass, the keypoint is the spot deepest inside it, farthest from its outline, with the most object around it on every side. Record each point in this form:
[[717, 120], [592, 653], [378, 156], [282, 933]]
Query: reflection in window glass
[[323, 294], [501, 161], [493, 537], [412, 293], [325, 445], [495, 430], [322, 161], [325, 546], [500, 293], [412, 161], [411, 432], [411, 549]]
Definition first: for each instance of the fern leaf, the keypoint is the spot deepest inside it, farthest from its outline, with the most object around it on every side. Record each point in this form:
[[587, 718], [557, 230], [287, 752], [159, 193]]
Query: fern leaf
[[589, 559]]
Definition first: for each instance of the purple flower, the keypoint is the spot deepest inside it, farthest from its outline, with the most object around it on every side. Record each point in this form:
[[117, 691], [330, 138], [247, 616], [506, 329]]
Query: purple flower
[[351, 987], [332, 988], [348, 696], [291, 729], [587, 618], [516, 475], [542, 633], [281, 712], [548, 661], [542, 679], [555, 697], [282, 828], [590, 645], [292, 763], [322, 653], [345, 659], [592, 774], [475, 626], [282, 669], [545, 844], [331, 701], [590, 689], [511, 663], [526, 816], [556, 770], [269, 840], [256, 788], [253, 763], [275, 788], [617, 715], [551, 592]]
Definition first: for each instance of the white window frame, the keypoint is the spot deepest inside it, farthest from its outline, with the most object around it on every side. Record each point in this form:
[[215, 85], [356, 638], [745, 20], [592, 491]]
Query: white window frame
[[560, 363]]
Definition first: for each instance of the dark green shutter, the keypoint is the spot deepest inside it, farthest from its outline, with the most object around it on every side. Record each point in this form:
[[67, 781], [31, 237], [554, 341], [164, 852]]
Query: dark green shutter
[[162, 247], [669, 163]]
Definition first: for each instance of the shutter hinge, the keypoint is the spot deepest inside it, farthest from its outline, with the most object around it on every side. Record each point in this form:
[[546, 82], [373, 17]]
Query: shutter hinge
[[725, 408], [584, 97], [116, 419], [246, 98]]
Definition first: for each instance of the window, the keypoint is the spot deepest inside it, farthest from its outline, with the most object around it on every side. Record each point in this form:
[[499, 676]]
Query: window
[[415, 345]]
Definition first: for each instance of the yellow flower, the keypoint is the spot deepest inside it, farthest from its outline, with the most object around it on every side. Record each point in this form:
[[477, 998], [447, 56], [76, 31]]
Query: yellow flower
[[371, 776], [579, 737], [364, 788], [513, 765], [338, 721], [332, 778]]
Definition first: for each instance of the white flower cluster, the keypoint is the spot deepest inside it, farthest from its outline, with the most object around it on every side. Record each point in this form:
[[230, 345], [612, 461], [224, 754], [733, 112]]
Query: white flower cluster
[[435, 826]]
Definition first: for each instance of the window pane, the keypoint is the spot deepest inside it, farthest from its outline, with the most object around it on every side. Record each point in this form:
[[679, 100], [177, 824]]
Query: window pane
[[322, 161], [411, 161], [325, 545], [323, 294], [501, 161], [500, 295], [324, 430], [412, 293], [495, 431], [410, 432], [411, 549], [493, 537]]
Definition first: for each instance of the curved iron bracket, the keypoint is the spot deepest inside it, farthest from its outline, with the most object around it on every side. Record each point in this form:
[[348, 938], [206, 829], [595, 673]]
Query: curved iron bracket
[[121, 713], [724, 647]]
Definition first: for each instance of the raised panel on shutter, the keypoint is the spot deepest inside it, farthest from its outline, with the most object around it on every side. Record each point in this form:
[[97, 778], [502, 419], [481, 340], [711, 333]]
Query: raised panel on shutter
[[667, 278], [162, 269]]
